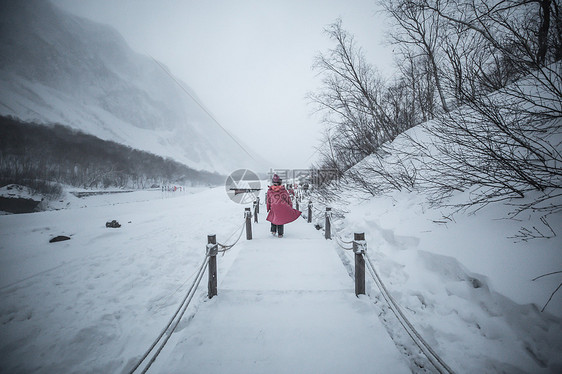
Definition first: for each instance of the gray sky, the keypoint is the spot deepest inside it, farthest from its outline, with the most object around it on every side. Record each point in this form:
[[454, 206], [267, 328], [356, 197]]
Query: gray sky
[[249, 61]]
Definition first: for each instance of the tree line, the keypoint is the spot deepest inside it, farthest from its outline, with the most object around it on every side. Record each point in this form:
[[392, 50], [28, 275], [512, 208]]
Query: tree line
[[486, 79], [45, 156]]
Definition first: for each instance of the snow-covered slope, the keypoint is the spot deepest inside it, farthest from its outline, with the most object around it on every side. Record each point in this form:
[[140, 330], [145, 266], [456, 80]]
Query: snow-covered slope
[[482, 288], [56, 67], [509, 250]]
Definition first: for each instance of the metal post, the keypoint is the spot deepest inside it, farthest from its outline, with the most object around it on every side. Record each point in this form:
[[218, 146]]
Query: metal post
[[359, 250], [309, 211], [212, 250], [297, 203], [327, 225], [248, 215], [257, 205]]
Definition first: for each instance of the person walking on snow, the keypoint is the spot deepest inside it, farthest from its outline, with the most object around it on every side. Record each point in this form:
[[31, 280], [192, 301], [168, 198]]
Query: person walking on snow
[[280, 207]]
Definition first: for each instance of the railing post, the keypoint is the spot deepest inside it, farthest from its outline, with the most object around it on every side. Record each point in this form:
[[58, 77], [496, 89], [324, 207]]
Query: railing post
[[256, 212], [212, 251], [327, 225], [359, 250], [257, 205], [309, 211], [248, 215]]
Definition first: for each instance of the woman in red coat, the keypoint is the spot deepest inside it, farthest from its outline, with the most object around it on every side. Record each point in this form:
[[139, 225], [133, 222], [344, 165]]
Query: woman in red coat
[[279, 207]]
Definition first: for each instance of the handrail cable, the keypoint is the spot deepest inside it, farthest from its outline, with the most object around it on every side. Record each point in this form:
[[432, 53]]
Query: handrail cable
[[227, 247], [177, 321], [440, 365], [432, 356], [185, 302], [178, 288], [343, 246]]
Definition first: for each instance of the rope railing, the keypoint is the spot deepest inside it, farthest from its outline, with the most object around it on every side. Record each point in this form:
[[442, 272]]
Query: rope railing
[[342, 245], [173, 322], [226, 247], [432, 356], [211, 251], [339, 240], [359, 248]]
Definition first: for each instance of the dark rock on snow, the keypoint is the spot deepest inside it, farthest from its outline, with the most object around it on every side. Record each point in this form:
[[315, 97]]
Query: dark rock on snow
[[59, 238], [113, 224]]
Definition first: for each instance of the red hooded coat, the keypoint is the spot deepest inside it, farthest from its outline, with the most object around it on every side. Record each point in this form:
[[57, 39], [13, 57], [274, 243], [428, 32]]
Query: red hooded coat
[[280, 207]]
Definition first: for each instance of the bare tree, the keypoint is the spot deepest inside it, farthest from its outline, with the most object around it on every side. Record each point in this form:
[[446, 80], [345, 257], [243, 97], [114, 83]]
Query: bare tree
[[499, 60], [419, 33], [352, 98]]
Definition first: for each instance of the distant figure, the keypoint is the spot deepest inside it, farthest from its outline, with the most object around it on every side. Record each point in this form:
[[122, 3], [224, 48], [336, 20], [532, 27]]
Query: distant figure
[[280, 207], [291, 190]]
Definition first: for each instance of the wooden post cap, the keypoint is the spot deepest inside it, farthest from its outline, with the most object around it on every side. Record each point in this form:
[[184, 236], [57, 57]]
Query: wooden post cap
[[359, 236]]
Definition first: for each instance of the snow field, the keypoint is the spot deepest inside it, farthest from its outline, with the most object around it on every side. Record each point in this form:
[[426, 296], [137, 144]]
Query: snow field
[[91, 303], [95, 303]]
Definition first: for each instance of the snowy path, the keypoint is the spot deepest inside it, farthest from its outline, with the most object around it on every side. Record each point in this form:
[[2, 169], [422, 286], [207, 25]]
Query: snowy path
[[285, 306]]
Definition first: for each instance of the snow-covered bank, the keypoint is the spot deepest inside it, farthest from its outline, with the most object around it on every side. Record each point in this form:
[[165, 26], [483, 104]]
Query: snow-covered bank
[[91, 303], [18, 199], [73, 197], [464, 281]]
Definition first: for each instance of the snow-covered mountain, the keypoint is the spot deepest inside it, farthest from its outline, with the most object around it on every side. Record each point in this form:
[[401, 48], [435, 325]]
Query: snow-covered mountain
[[59, 68]]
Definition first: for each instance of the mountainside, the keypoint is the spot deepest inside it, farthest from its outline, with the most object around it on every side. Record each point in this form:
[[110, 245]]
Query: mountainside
[[38, 155], [59, 68]]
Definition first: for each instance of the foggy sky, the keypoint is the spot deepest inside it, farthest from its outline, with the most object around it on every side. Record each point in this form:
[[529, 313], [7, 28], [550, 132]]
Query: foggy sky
[[250, 62]]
